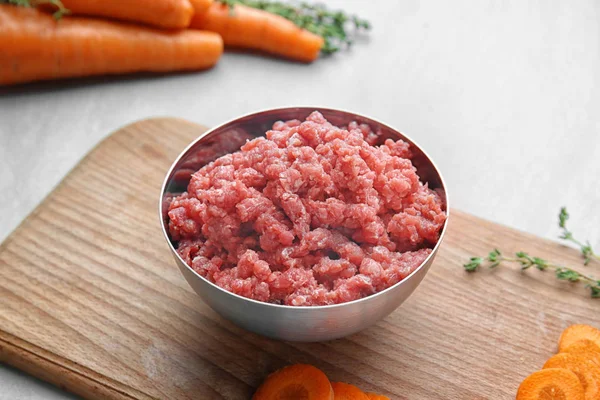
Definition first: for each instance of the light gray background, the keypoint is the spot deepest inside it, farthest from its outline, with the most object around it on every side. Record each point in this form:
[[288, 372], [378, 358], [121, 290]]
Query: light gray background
[[502, 94]]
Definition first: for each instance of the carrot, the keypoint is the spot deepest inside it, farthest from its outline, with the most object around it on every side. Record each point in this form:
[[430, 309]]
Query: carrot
[[33, 46], [551, 384], [249, 28], [587, 372], [345, 391], [583, 346], [200, 6], [575, 333], [170, 14], [375, 396], [299, 381]]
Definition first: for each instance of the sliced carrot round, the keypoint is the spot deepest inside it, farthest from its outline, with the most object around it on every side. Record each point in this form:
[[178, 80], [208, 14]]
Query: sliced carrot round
[[586, 349], [586, 370], [375, 396], [575, 333], [582, 346], [551, 384], [345, 391], [299, 381]]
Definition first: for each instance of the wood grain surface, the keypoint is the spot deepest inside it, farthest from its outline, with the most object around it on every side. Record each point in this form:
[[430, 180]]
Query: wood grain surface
[[91, 301]]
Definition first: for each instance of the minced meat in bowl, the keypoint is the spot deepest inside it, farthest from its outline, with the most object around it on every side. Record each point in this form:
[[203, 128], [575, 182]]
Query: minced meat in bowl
[[313, 213]]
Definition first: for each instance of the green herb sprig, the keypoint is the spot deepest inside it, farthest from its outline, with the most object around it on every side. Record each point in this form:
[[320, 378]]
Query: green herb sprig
[[60, 8], [332, 26], [496, 258], [586, 249]]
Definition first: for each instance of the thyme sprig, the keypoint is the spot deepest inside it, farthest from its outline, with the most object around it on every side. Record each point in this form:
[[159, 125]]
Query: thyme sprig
[[496, 258], [337, 28], [61, 10], [566, 234]]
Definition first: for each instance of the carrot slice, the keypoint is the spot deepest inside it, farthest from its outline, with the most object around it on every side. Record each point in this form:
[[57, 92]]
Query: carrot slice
[[551, 384], [345, 391], [587, 372], [574, 333], [375, 396], [33, 46], [587, 349], [582, 346], [299, 381], [249, 28]]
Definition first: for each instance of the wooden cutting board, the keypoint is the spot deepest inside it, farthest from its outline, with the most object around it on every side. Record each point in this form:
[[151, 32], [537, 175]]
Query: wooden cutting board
[[91, 301]]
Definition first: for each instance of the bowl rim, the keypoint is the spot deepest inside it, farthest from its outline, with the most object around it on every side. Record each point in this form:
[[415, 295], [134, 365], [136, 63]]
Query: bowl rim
[[306, 108]]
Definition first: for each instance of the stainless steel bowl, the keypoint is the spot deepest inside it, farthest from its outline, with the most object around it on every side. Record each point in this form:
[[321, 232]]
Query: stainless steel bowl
[[306, 324]]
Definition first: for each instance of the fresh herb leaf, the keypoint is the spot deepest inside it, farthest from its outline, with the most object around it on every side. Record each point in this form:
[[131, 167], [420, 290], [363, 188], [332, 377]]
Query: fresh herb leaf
[[473, 264], [595, 290], [563, 216]]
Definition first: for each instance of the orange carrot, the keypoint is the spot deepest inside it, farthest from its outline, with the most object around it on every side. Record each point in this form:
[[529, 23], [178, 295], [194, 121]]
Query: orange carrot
[[299, 381], [345, 391], [584, 346], [375, 396], [200, 6], [249, 28], [170, 14], [33, 46], [575, 333], [587, 372], [551, 384]]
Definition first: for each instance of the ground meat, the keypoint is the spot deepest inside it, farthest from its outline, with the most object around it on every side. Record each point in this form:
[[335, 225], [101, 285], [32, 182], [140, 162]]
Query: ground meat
[[211, 149], [310, 214]]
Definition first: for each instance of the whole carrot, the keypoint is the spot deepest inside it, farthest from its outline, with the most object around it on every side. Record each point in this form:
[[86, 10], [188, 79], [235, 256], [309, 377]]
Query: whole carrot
[[170, 14], [201, 6], [34, 46], [250, 28]]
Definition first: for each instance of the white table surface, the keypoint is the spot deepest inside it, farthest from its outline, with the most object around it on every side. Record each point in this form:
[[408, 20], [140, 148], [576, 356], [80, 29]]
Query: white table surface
[[504, 95]]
